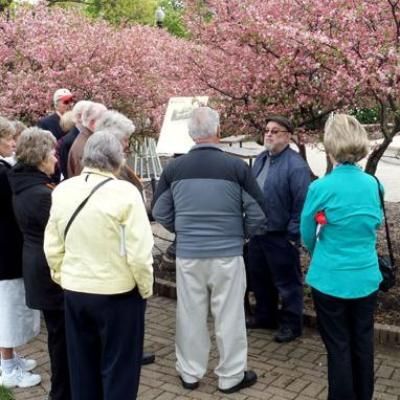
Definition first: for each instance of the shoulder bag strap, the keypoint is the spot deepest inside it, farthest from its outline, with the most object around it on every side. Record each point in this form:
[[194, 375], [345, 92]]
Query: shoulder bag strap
[[79, 208], [388, 240]]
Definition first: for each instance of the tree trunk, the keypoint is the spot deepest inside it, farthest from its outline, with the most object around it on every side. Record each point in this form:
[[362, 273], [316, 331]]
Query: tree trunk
[[329, 165], [376, 155], [303, 152]]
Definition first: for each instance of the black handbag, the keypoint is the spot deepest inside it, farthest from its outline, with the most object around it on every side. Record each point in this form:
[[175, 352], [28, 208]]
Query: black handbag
[[386, 263]]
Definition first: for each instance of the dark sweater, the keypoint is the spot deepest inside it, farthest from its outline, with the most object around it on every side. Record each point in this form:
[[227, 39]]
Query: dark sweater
[[52, 123], [63, 147], [10, 235]]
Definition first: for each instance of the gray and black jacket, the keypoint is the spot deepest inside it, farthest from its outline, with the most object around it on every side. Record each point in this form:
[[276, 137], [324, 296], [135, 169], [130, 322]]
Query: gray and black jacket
[[211, 201]]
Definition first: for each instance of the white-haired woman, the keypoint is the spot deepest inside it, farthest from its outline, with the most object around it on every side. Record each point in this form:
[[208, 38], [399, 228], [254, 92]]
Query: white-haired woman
[[339, 221], [65, 143], [98, 243], [90, 114], [31, 184], [18, 323]]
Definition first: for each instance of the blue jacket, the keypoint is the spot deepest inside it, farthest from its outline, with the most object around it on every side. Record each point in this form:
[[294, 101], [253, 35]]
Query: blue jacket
[[344, 261], [285, 190], [212, 202]]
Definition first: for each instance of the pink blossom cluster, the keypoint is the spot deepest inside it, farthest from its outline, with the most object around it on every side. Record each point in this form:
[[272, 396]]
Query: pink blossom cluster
[[303, 58], [133, 69]]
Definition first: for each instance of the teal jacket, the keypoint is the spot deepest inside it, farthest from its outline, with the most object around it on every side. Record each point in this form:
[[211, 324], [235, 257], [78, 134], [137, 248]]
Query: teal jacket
[[344, 261]]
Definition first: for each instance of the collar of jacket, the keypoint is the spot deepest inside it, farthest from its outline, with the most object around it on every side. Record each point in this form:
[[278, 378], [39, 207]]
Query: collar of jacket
[[260, 160], [95, 171], [277, 155], [4, 162], [203, 146]]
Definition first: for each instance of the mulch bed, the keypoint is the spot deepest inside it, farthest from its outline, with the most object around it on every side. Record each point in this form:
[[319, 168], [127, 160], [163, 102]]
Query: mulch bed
[[388, 309]]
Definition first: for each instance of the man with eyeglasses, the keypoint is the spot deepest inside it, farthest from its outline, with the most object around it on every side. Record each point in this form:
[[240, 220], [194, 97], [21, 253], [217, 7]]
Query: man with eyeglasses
[[63, 101], [274, 261]]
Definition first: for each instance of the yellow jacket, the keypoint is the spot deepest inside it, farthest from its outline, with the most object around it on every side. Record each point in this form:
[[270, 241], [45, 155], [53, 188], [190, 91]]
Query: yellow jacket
[[108, 249]]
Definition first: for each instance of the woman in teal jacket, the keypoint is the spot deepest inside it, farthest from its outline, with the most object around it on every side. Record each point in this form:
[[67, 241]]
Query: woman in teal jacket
[[339, 221]]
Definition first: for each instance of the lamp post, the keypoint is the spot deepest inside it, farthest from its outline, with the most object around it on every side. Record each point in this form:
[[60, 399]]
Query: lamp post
[[160, 16]]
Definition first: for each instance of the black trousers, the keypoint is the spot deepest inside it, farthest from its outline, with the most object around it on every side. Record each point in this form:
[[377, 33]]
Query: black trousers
[[347, 330], [57, 345], [105, 336], [274, 269]]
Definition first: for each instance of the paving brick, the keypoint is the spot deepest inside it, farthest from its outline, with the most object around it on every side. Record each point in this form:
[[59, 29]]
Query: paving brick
[[384, 372], [294, 371]]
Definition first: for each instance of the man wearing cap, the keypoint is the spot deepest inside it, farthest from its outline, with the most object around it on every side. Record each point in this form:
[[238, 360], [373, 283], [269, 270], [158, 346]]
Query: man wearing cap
[[274, 262], [62, 100]]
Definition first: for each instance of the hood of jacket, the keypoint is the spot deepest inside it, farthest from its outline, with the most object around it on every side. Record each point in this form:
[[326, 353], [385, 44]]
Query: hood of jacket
[[23, 177]]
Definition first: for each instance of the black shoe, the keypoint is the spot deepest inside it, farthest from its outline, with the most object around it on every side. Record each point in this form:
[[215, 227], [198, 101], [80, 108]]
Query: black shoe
[[148, 358], [285, 335], [253, 323], [189, 386], [249, 379]]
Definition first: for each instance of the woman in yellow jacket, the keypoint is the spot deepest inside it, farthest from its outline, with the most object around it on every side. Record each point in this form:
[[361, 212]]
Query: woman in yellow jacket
[[98, 244]]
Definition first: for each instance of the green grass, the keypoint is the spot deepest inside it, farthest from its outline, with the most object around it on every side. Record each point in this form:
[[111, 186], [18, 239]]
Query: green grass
[[5, 394]]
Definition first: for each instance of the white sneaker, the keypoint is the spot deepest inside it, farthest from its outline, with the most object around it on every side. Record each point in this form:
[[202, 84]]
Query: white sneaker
[[20, 378], [25, 363]]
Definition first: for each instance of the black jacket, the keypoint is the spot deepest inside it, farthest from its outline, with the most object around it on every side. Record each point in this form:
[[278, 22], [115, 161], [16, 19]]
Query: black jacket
[[32, 201], [10, 235]]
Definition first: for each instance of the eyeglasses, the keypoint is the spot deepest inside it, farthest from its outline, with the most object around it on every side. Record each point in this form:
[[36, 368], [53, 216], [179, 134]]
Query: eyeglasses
[[273, 132], [67, 101]]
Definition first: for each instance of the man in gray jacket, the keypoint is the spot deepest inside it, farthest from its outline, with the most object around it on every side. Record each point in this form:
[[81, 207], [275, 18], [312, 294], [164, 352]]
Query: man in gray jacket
[[212, 202], [274, 262]]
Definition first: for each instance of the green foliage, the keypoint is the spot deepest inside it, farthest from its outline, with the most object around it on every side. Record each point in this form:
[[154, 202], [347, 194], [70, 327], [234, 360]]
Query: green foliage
[[174, 17], [4, 4], [120, 11], [5, 394], [366, 115]]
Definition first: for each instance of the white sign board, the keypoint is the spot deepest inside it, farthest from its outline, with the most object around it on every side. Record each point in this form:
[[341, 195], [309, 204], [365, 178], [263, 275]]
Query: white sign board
[[174, 137]]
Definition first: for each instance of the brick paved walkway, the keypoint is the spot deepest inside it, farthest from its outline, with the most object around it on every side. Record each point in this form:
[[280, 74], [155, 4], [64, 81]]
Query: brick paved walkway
[[286, 371]]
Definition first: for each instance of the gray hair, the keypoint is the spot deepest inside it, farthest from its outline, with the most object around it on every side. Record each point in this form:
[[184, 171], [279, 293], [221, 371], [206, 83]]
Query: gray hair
[[77, 110], [204, 122], [34, 145], [19, 127], [92, 113], [116, 123], [103, 151], [6, 128]]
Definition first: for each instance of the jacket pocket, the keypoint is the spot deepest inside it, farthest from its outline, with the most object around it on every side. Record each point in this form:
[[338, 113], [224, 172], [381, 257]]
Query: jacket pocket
[[122, 241]]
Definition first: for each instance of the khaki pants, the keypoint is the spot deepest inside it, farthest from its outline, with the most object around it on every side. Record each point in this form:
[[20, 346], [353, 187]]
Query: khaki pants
[[219, 284]]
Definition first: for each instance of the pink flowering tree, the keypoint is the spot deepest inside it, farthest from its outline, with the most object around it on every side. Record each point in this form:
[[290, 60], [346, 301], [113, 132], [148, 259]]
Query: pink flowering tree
[[302, 58], [133, 69]]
